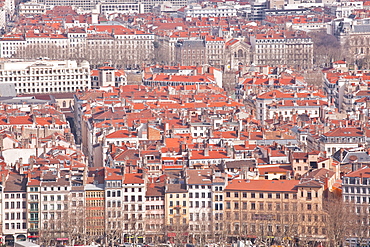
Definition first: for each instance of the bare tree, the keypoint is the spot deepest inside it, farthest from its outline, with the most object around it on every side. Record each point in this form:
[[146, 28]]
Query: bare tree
[[327, 48], [340, 220], [73, 223], [178, 232], [201, 227], [114, 230]]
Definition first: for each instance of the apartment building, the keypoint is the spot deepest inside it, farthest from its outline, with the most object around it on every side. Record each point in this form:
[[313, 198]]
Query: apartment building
[[199, 183], [301, 162], [267, 103], [134, 187], [14, 209], [107, 76], [154, 212], [55, 219], [190, 52], [120, 46], [113, 204], [33, 206], [45, 76], [31, 8], [197, 10], [292, 48], [273, 209], [219, 181], [356, 190], [286, 109], [177, 212], [215, 50], [334, 140], [95, 208]]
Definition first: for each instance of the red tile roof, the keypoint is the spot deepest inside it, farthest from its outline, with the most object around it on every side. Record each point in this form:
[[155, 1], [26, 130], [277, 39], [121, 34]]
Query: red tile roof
[[263, 185]]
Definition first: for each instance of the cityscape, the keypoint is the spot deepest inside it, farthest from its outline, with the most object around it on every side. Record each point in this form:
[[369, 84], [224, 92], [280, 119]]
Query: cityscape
[[185, 123]]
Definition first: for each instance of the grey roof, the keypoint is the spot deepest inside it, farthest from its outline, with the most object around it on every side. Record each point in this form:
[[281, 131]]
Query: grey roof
[[304, 117], [94, 187], [348, 155], [23, 100], [15, 183], [361, 28], [26, 244], [7, 90], [176, 188], [239, 164], [200, 124], [193, 43], [164, 70]]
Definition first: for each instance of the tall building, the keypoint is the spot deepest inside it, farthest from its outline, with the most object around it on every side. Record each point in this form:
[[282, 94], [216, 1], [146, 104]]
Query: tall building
[[290, 48], [14, 209], [356, 191], [199, 184]]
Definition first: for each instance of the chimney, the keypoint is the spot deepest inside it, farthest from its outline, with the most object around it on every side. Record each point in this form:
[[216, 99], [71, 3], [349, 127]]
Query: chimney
[[206, 151], [230, 151], [1, 142], [123, 173]]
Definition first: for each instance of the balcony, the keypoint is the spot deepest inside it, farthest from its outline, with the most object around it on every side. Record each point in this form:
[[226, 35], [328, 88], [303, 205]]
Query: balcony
[[33, 229]]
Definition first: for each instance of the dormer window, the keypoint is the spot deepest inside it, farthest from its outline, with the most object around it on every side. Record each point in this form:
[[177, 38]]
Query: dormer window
[[150, 157]]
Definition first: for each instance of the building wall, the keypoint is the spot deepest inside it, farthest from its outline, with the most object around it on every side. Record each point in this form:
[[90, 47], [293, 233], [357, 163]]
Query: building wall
[[45, 76], [273, 213]]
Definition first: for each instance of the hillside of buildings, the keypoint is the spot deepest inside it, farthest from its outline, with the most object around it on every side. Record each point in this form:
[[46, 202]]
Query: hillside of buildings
[[202, 123]]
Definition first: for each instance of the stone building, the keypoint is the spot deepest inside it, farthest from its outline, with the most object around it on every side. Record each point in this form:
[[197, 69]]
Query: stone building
[[292, 48], [191, 52], [274, 209]]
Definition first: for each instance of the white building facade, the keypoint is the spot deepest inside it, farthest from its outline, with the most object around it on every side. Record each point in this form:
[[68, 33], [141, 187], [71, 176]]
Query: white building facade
[[45, 76]]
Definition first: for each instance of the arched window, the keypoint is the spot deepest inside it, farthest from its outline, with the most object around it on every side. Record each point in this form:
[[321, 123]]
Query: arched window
[[240, 53]]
